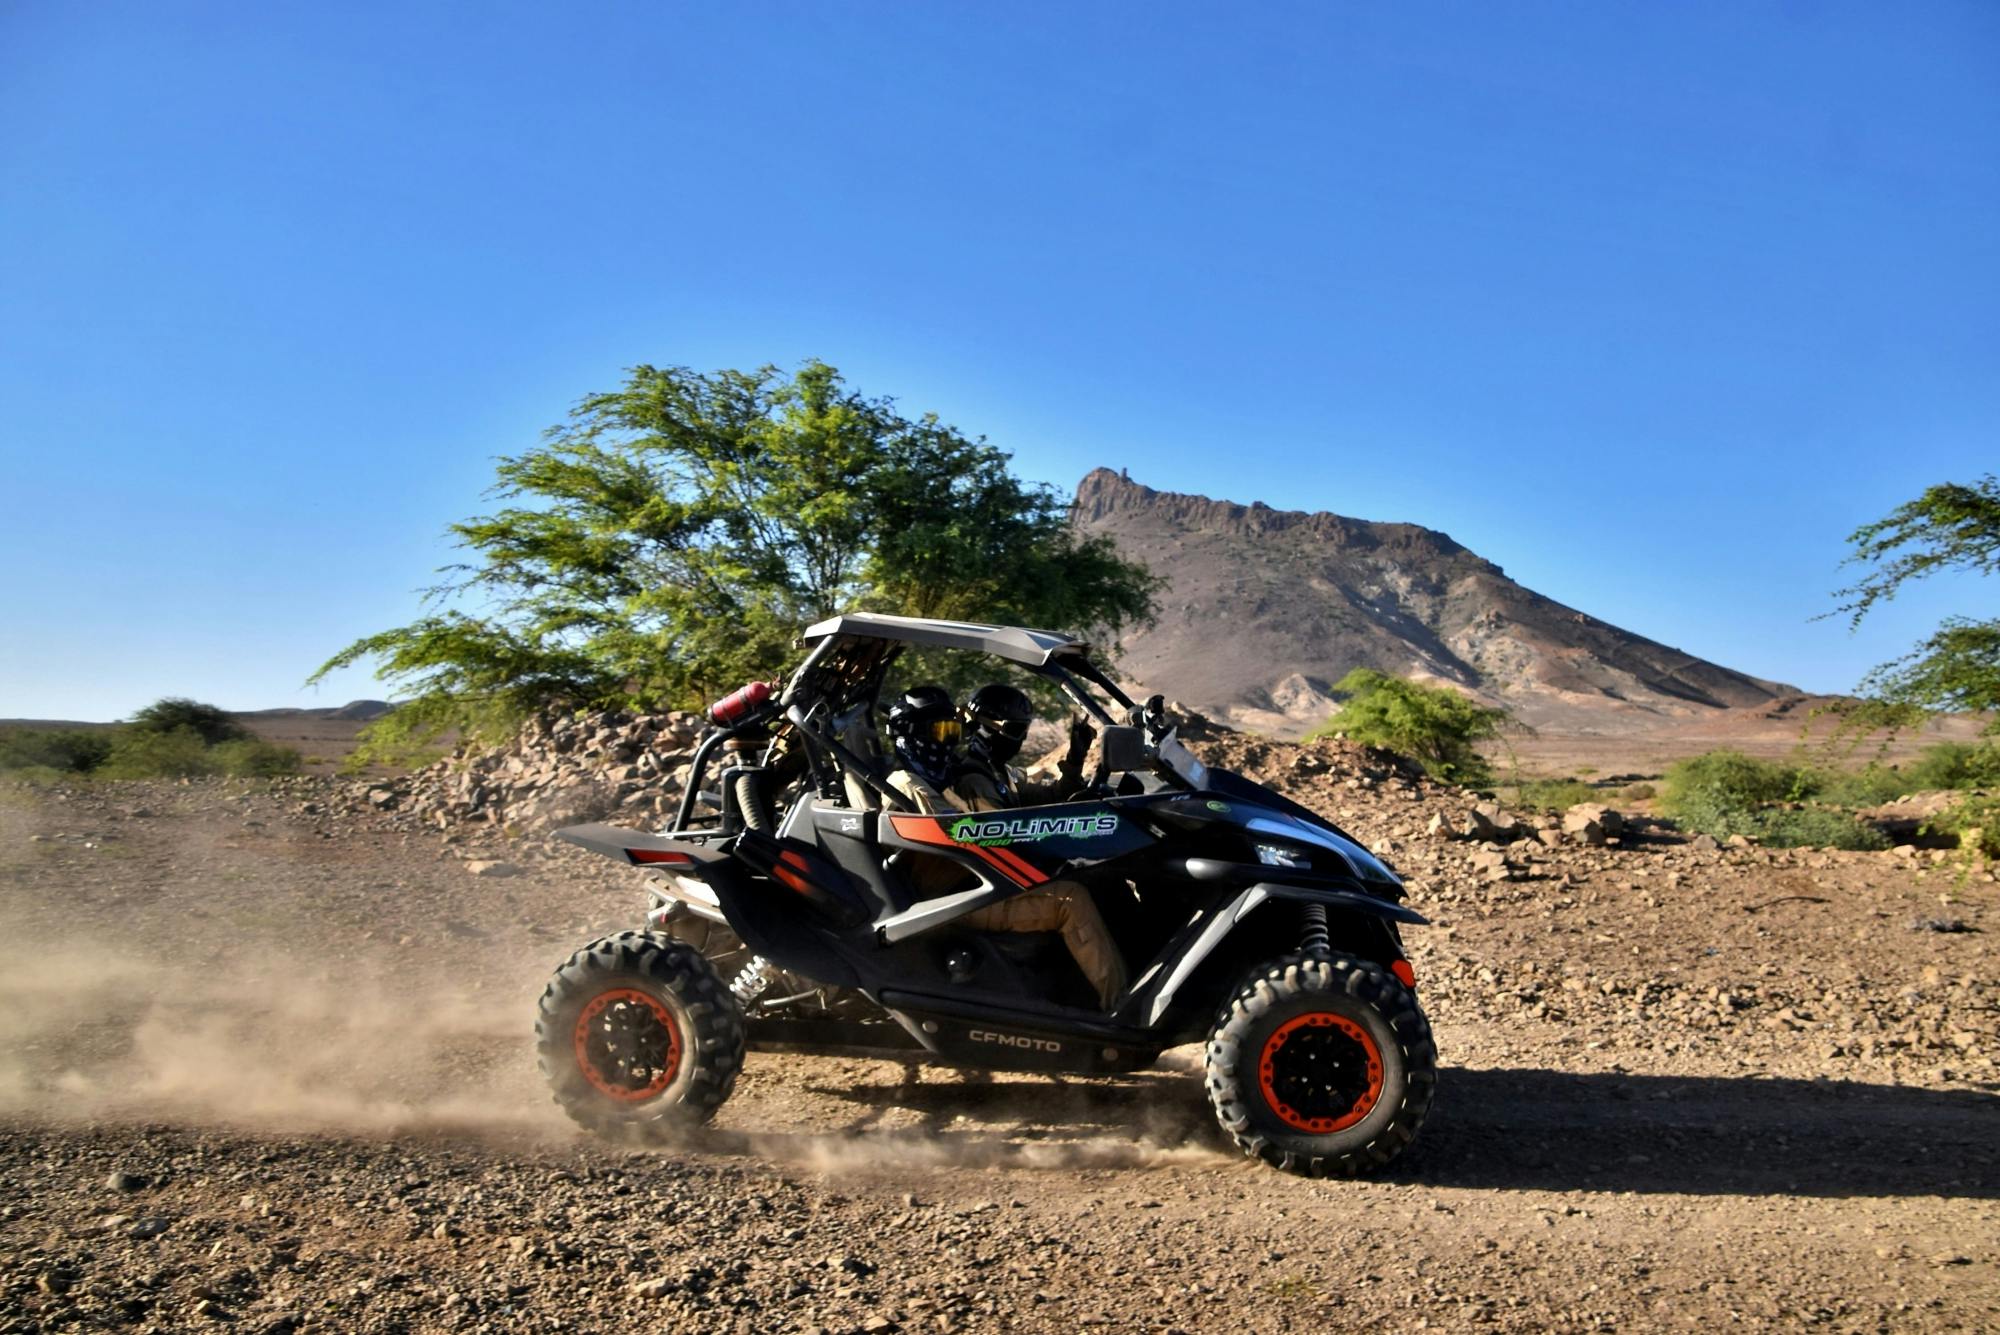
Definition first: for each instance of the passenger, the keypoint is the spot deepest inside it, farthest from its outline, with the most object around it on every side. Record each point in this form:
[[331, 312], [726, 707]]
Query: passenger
[[924, 729], [997, 718]]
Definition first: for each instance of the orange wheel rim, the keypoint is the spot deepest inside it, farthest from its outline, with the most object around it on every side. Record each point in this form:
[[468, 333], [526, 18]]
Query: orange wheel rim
[[627, 1044], [1320, 1072]]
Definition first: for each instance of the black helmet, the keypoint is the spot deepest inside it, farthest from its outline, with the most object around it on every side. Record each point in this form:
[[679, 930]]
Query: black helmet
[[999, 715], [924, 727]]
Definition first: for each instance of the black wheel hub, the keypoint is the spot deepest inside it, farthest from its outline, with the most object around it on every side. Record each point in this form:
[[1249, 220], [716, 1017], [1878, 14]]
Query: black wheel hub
[[627, 1044], [1320, 1072]]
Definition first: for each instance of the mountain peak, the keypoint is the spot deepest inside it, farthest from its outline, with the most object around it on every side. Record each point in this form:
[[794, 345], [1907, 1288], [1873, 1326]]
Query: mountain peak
[[1264, 608]]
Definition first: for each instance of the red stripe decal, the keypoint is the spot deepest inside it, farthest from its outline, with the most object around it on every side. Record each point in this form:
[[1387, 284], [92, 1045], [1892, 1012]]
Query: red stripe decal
[[1024, 871], [666, 855], [931, 830]]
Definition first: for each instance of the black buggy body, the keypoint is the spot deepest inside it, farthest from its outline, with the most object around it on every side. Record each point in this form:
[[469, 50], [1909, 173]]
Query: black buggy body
[[783, 917]]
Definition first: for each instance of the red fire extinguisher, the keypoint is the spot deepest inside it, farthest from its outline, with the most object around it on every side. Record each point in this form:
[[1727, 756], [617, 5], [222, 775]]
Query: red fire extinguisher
[[738, 704]]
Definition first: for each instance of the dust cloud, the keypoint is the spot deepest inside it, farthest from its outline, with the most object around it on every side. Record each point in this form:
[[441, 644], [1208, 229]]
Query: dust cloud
[[88, 1032]]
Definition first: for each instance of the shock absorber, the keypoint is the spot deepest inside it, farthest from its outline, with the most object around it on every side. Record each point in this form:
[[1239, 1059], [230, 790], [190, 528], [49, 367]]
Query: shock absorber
[[750, 982], [1313, 937]]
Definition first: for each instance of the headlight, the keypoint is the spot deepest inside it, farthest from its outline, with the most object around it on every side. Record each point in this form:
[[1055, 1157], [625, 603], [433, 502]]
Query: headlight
[[1277, 855]]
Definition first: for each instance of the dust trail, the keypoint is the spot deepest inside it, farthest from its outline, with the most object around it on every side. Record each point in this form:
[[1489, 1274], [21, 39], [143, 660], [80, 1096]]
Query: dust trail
[[891, 1152], [285, 1044]]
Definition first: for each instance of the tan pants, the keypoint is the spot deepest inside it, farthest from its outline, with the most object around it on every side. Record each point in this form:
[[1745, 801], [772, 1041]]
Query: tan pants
[[1061, 906]]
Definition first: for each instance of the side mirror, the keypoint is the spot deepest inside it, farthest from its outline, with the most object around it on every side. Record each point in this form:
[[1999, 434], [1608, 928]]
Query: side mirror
[[1123, 749]]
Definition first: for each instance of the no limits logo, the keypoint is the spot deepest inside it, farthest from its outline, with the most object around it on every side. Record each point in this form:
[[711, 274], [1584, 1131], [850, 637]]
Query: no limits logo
[[1027, 829]]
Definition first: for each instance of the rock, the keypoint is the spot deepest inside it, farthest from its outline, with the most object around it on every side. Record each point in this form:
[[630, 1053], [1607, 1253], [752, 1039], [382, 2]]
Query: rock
[[1704, 843], [1910, 820], [1488, 823], [381, 798], [1593, 823], [484, 868], [143, 1229], [120, 1180]]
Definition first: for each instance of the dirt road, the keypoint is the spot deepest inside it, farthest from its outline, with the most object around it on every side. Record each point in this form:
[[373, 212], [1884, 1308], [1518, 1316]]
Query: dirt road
[[264, 1070]]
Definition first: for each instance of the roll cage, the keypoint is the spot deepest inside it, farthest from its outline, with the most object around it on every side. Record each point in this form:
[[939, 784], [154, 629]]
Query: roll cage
[[828, 707]]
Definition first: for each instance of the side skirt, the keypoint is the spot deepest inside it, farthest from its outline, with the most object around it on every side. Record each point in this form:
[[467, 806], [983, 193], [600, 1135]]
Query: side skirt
[[1002, 1042]]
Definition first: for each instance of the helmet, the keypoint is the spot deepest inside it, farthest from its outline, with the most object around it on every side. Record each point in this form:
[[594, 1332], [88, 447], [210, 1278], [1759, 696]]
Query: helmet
[[923, 728], [999, 715]]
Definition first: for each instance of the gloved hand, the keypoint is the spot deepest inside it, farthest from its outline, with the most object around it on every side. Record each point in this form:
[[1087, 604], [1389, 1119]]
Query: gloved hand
[[1081, 735]]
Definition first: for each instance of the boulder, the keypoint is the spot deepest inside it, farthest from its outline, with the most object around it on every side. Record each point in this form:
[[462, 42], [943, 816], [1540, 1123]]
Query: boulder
[[1592, 823], [1488, 823]]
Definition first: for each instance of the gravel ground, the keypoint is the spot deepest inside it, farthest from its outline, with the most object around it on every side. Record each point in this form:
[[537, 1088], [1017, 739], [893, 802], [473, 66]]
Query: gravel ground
[[265, 1067]]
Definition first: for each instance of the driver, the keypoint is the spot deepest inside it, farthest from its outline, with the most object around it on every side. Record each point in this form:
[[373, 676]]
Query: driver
[[924, 729]]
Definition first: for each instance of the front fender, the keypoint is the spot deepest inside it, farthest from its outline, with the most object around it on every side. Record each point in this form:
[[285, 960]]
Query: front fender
[[1247, 901], [1353, 900]]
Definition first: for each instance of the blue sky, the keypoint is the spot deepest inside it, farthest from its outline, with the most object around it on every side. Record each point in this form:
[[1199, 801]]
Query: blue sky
[[1650, 304]]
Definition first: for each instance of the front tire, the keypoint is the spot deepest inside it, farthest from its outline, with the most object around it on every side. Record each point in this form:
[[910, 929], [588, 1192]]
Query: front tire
[[638, 1037], [1322, 1065]]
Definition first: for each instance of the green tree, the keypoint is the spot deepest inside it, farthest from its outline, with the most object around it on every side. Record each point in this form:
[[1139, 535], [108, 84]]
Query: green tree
[[213, 725], [1951, 527], [1433, 725], [672, 537]]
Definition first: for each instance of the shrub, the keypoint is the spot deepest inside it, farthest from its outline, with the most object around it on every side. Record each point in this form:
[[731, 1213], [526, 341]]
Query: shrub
[[1955, 765], [175, 712], [1812, 827], [1976, 822], [65, 750], [1433, 725], [141, 753], [1729, 781], [254, 759], [1869, 786], [1638, 792], [1560, 794]]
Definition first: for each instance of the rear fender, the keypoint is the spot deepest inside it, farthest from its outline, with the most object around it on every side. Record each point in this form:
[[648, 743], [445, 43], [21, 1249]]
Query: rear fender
[[766, 915], [636, 848]]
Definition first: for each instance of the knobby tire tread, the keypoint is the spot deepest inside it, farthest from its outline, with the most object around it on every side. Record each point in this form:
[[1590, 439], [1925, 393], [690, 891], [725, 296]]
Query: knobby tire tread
[[1231, 1090], [712, 1047]]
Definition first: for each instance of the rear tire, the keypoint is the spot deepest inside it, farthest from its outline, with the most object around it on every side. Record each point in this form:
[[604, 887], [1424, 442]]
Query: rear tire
[[1322, 1065], [638, 1037]]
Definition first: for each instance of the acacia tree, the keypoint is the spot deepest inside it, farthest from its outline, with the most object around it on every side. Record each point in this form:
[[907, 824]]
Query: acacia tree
[[1956, 669], [674, 534]]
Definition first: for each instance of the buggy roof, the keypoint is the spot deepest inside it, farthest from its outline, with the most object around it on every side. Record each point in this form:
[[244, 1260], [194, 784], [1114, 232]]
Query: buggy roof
[[1032, 647]]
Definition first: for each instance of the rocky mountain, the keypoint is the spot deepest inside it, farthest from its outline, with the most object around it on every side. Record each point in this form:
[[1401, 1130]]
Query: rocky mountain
[[1264, 609]]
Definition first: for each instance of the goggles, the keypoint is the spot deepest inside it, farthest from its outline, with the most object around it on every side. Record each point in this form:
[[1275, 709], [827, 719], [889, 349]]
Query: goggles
[[943, 730], [1016, 728]]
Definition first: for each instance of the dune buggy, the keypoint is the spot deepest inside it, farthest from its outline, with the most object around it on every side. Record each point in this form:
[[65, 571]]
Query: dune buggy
[[782, 918]]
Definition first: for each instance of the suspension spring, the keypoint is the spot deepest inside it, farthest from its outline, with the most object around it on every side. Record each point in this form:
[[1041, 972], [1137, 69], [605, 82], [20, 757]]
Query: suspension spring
[[750, 982], [1313, 937]]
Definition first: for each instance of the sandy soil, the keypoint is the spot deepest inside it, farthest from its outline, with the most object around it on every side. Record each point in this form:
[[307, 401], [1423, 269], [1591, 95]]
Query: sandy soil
[[267, 1070]]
